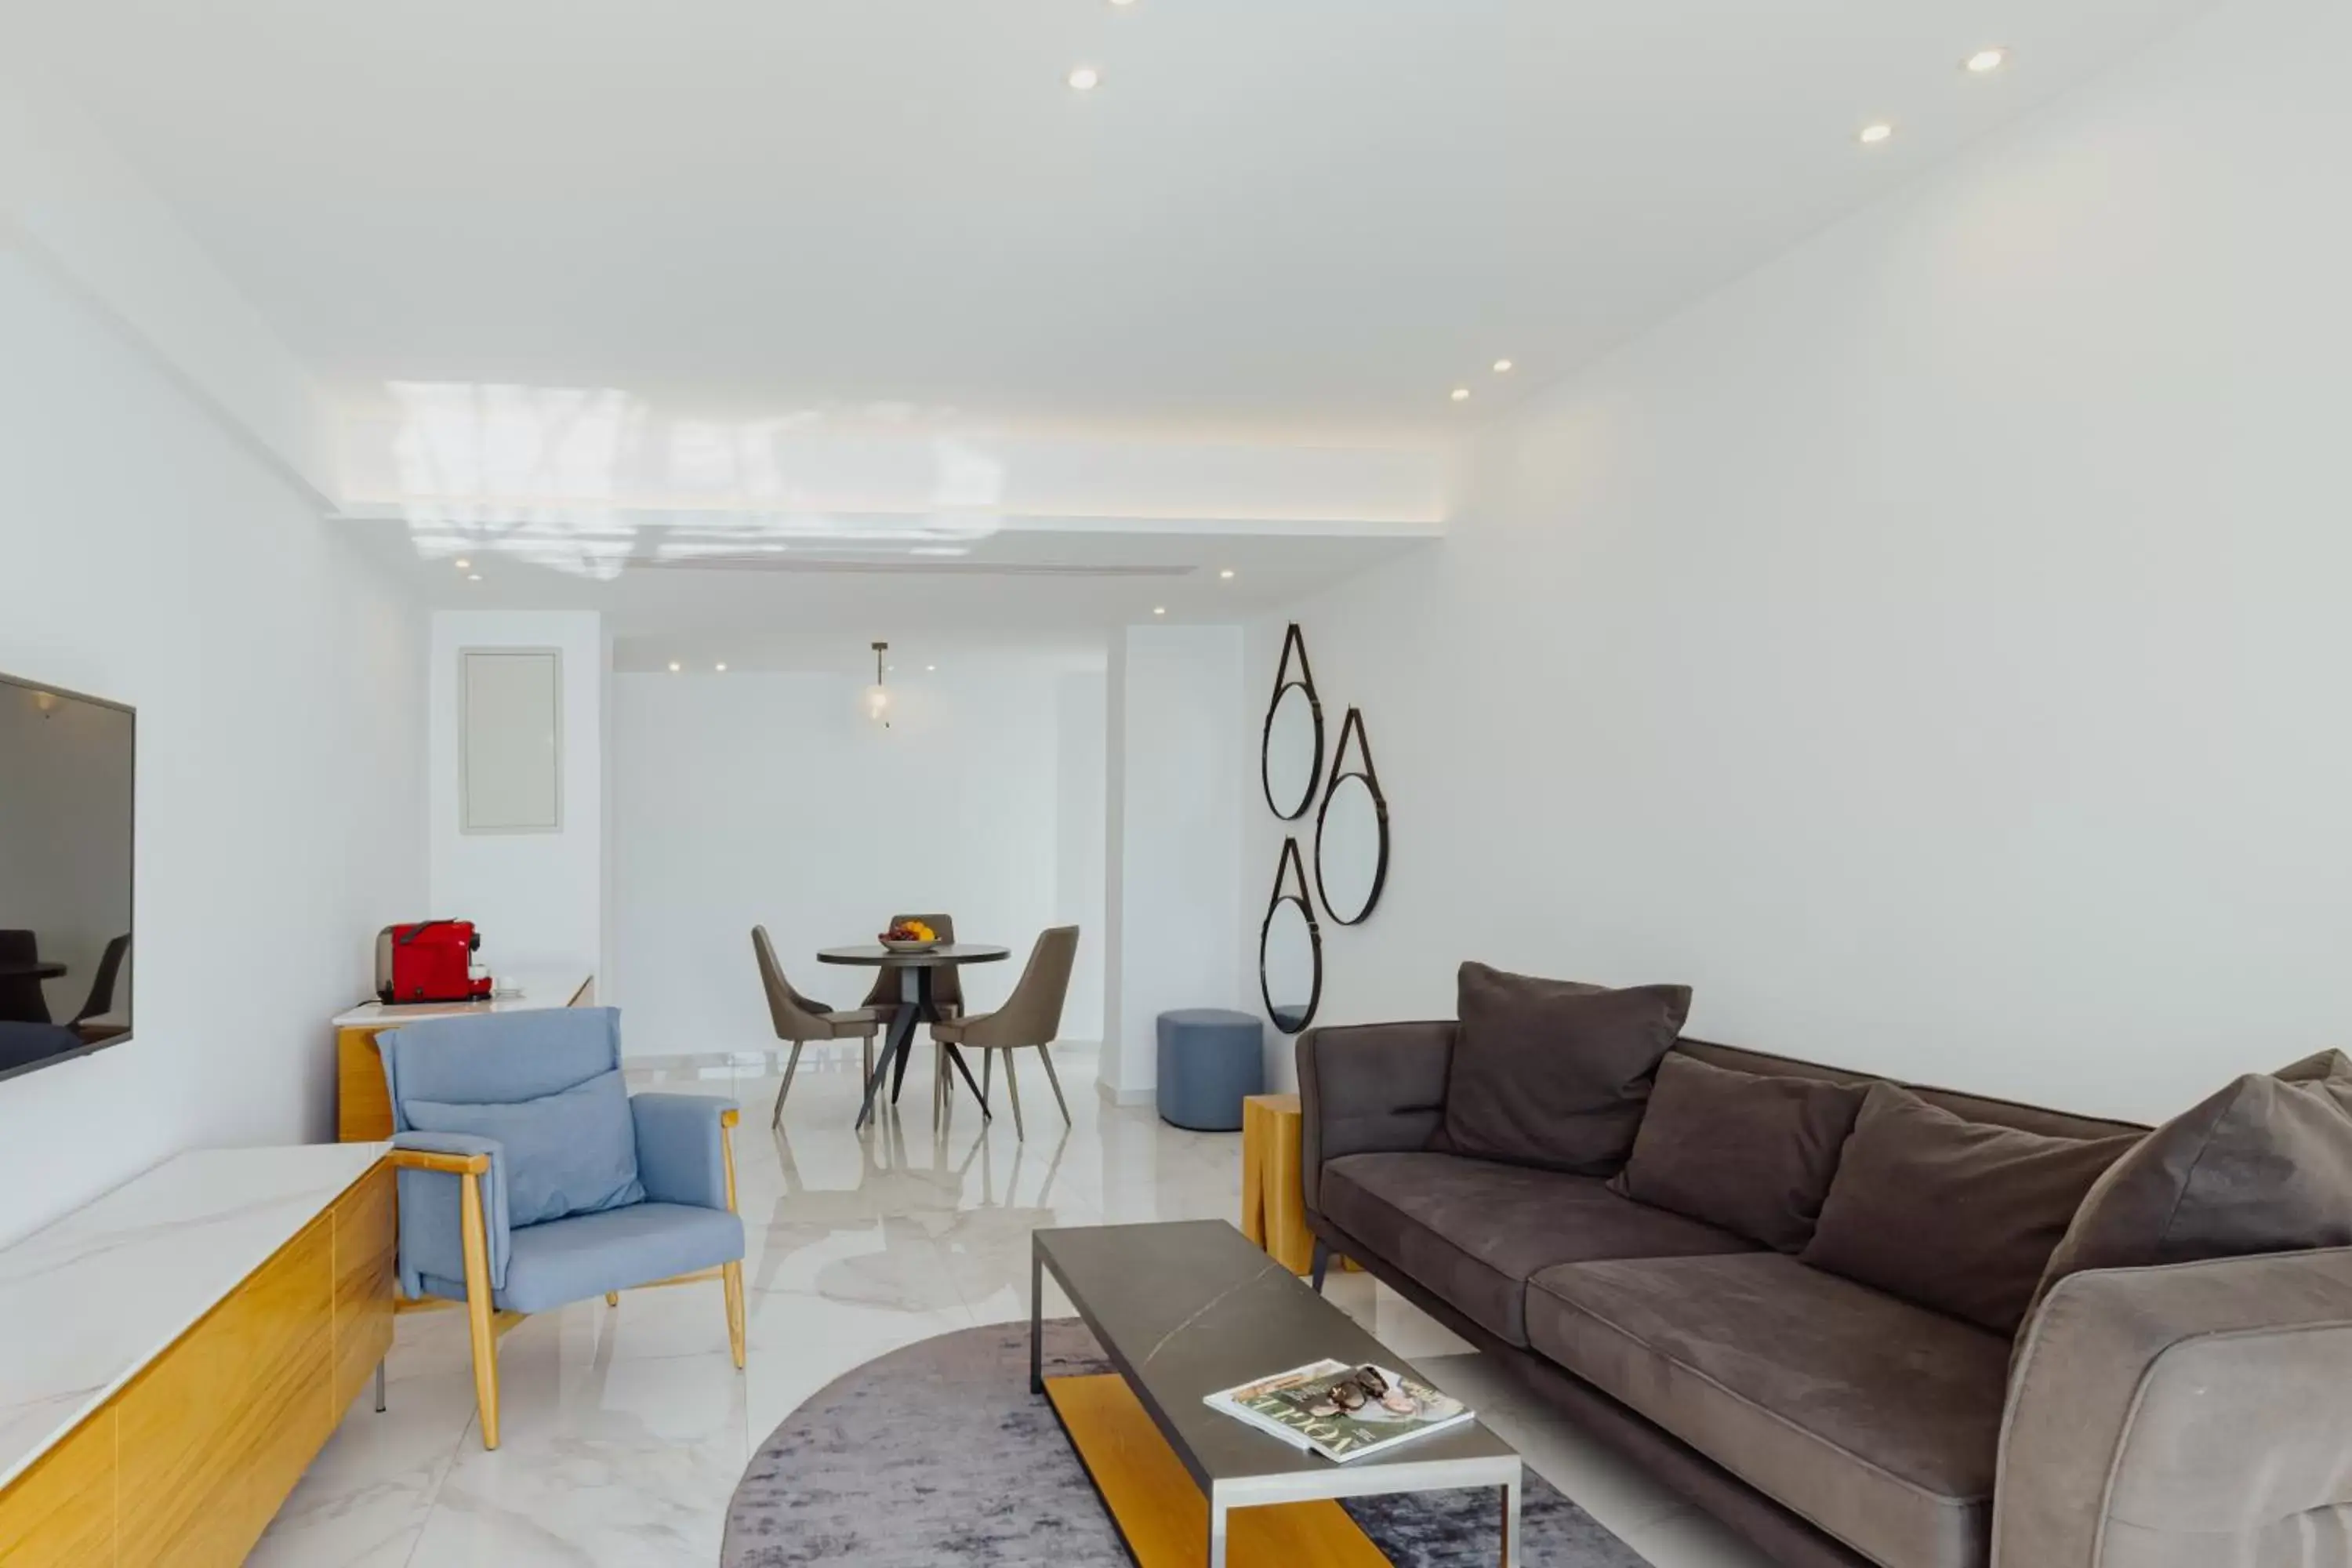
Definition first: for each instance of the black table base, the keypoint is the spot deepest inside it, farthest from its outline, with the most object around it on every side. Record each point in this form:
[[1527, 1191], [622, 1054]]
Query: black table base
[[915, 1006]]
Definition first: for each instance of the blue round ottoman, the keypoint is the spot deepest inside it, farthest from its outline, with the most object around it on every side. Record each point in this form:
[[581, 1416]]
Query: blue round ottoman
[[1210, 1060]]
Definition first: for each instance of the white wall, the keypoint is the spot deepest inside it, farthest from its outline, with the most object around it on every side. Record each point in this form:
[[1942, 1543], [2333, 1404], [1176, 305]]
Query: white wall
[[1933, 649], [538, 897], [148, 557], [1081, 788], [751, 798], [1176, 762]]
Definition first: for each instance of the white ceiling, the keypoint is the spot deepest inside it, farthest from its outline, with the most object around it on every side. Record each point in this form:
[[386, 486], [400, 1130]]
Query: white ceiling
[[1276, 219]]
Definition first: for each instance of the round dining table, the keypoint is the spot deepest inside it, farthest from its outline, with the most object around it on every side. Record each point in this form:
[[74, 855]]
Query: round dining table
[[916, 972]]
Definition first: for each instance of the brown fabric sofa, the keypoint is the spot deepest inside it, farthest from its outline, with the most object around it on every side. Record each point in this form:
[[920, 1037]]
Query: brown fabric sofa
[[2198, 1413]]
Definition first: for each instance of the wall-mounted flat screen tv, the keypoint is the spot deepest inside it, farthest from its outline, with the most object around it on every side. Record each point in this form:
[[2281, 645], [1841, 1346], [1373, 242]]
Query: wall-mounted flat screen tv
[[67, 766]]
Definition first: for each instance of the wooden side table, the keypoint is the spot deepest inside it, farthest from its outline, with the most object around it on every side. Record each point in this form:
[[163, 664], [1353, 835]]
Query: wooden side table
[[1273, 1205]]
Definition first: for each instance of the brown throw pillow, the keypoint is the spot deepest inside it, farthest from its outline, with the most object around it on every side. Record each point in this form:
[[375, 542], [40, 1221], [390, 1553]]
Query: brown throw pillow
[[1954, 1214], [2264, 1166], [1554, 1073], [1746, 1151]]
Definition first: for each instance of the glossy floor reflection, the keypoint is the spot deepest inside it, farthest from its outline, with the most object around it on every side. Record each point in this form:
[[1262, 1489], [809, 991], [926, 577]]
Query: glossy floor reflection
[[626, 1427]]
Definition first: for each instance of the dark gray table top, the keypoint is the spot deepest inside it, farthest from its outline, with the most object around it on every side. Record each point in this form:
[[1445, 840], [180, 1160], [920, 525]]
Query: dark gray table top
[[877, 956], [1191, 1308]]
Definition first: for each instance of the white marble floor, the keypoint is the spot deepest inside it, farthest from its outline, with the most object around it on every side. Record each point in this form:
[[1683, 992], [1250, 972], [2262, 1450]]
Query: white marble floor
[[626, 1427]]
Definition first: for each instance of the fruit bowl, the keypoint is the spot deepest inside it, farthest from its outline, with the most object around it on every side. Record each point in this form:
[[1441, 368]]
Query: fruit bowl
[[909, 936]]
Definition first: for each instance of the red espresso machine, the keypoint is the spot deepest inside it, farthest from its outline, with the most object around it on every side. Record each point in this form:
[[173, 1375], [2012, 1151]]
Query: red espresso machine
[[431, 960]]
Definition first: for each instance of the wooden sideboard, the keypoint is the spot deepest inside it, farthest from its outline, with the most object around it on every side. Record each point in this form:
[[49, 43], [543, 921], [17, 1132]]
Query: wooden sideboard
[[133, 1438], [363, 1104]]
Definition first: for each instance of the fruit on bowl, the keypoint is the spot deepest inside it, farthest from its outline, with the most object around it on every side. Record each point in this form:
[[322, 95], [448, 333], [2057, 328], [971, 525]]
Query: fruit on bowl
[[909, 936]]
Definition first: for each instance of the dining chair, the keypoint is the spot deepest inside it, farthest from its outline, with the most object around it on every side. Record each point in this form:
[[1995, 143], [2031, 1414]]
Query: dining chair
[[530, 1177], [799, 1020], [947, 985], [101, 988], [1032, 1016]]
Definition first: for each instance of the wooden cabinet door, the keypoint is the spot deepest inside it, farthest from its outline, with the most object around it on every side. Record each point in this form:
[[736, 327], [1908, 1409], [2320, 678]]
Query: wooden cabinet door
[[60, 1512], [217, 1432]]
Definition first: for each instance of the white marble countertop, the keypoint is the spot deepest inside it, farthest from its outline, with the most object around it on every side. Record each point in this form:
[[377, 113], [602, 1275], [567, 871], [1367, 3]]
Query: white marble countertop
[[88, 1302], [522, 991]]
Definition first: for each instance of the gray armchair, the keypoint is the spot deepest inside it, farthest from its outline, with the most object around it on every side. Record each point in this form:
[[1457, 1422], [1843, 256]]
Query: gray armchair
[[799, 1020], [1031, 1016], [530, 1177]]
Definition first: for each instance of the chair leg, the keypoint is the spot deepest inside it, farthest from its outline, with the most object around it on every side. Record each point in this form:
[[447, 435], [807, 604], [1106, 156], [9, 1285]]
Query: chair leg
[[1045, 1054], [987, 1071], [732, 1276], [1012, 1093], [939, 1084], [866, 1056], [477, 1306], [776, 1118]]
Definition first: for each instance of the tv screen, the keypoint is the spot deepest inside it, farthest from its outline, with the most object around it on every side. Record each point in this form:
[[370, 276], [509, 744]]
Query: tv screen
[[67, 768]]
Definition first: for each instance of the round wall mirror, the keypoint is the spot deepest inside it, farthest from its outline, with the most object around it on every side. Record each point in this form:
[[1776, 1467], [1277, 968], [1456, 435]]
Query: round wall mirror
[[1351, 833], [1290, 949], [1291, 758]]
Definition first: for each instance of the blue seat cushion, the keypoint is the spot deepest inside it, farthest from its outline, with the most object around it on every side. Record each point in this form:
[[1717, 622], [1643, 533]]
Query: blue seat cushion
[[570, 1152], [575, 1259]]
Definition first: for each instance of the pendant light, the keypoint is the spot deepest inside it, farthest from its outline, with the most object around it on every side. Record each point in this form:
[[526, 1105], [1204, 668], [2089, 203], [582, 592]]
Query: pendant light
[[877, 696]]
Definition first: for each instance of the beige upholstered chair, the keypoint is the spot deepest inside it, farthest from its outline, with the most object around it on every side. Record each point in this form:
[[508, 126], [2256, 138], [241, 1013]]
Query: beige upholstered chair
[[1032, 1016], [799, 1020]]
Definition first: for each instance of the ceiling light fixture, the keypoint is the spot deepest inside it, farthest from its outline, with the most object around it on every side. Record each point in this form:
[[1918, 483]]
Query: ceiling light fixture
[[1227, 573], [464, 564], [473, 576], [1502, 367], [1085, 78], [675, 667], [1871, 135], [720, 667], [1461, 395], [1158, 609], [934, 668], [1985, 61], [877, 696]]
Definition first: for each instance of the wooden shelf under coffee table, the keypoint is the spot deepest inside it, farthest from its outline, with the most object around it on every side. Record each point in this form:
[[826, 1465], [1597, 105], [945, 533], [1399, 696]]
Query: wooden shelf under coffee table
[[1183, 1310]]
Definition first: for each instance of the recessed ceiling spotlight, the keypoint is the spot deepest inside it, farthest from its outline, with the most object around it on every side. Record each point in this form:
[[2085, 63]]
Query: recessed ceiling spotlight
[[1085, 78], [1502, 367], [1461, 395], [933, 668], [473, 576], [675, 667], [464, 564], [720, 667], [1158, 609], [1872, 134], [1985, 61], [1227, 573]]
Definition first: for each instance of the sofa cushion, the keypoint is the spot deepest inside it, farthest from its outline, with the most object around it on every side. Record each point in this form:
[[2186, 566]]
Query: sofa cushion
[[1877, 1420], [1952, 1214], [2264, 1166], [1471, 1231], [1555, 1073], [1750, 1153], [573, 1152]]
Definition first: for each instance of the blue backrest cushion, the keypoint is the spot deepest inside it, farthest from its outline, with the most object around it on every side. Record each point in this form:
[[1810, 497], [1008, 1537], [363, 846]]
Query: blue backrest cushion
[[497, 1058], [572, 1152]]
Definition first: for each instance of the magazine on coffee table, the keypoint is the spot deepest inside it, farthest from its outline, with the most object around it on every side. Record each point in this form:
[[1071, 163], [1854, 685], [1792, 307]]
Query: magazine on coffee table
[[1338, 1411]]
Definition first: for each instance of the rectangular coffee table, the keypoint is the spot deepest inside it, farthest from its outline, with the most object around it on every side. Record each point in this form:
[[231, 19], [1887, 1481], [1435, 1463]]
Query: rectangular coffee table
[[1190, 1308]]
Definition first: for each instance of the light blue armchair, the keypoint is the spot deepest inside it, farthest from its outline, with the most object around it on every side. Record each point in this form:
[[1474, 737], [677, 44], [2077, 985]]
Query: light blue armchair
[[530, 1177]]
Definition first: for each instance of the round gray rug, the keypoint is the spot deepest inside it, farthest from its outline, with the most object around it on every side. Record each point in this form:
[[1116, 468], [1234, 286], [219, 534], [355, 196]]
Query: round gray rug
[[938, 1455]]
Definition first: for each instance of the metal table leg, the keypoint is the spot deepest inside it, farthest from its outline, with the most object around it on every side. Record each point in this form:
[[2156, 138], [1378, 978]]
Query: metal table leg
[[901, 1040], [1036, 1317], [1511, 1523]]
